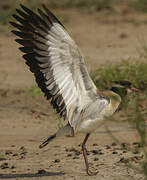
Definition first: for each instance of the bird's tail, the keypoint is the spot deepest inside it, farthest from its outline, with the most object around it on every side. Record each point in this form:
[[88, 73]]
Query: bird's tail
[[47, 141], [66, 130]]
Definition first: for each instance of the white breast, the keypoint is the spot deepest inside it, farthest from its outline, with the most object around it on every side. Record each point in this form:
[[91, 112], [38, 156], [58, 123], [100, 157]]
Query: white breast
[[90, 125]]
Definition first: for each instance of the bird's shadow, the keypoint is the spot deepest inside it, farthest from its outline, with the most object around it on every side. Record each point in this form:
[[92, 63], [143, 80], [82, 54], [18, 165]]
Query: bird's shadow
[[31, 175]]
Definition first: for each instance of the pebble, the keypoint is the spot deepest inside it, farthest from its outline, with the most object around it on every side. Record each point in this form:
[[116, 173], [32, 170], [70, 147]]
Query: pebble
[[96, 159], [12, 167], [23, 153], [77, 153], [114, 152], [8, 152], [88, 153], [21, 157], [113, 144], [95, 144], [22, 148], [123, 35], [4, 165], [124, 151], [75, 157], [124, 145], [15, 154], [108, 147], [69, 155], [135, 152], [137, 144], [57, 160], [41, 171], [95, 151], [123, 160]]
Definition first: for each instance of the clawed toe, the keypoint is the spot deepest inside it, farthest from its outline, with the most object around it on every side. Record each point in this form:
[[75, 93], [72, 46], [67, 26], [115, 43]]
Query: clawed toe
[[90, 173]]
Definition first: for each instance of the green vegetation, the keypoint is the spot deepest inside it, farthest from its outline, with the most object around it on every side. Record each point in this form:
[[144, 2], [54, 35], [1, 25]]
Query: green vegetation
[[2, 157], [7, 8], [138, 117], [97, 4], [139, 5], [136, 112], [34, 91], [135, 72]]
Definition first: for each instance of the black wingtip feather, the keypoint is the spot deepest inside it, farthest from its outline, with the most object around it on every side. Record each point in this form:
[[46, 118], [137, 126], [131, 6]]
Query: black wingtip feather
[[26, 49], [28, 23], [18, 26], [19, 19], [22, 13], [17, 33], [25, 43], [51, 15], [23, 35], [30, 12]]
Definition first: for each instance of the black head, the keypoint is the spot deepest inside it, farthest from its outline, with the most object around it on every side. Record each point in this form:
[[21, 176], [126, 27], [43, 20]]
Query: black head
[[123, 83], [122, 87]]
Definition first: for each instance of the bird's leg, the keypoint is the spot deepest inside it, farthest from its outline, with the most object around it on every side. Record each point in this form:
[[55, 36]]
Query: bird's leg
[[85, 156]]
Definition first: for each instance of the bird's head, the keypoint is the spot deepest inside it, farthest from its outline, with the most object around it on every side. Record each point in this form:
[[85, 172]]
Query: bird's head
[[123, 87]]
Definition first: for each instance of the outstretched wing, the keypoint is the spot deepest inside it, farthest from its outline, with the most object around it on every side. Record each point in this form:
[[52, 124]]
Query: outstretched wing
[[55, 60]]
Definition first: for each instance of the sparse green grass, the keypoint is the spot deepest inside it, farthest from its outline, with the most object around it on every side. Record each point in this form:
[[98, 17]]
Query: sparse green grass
[[7, 8], [1, 156], [135, 72], [97, 4], [34, 91], [139, 5], [137, 117], [135, 106]]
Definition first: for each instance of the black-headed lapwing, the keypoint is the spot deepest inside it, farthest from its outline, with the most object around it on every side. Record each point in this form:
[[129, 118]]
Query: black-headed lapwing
[[60, 72]]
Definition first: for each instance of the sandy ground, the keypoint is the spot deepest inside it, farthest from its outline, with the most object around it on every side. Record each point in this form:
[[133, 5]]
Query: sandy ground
[[26, 121]]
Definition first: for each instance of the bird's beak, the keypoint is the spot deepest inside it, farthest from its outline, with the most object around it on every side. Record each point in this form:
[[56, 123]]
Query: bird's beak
[[134, 89]]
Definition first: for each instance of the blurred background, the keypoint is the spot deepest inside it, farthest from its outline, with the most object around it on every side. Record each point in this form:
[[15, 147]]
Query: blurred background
[[112, 35]]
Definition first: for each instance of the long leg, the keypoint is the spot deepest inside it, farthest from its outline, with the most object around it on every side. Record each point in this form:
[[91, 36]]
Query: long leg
[[85, 156]]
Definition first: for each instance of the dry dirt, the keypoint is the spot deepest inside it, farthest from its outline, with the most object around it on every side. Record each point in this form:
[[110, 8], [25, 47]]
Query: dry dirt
[[26, 121]]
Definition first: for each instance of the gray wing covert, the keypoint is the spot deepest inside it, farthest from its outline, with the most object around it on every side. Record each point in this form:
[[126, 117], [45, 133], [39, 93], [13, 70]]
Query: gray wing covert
[[94, 109], [90, 112]]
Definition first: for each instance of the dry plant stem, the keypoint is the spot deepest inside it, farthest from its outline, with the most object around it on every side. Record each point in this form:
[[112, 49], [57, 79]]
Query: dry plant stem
[[85, 156]]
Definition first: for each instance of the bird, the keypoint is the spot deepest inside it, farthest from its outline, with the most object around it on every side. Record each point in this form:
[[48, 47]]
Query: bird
[[60, 72]]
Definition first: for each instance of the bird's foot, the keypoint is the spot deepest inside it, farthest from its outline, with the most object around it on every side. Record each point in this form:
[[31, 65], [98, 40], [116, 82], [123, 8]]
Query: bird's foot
[[90, 173]]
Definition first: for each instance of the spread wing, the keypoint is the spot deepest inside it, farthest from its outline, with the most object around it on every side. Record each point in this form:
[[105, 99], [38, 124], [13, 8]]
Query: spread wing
[[55, 60]]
